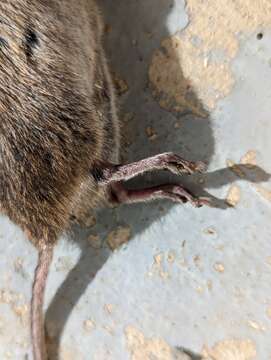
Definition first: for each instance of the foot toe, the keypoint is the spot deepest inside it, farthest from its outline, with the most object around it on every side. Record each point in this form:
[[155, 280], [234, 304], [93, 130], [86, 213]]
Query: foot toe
[[200, 166], [203, 201]]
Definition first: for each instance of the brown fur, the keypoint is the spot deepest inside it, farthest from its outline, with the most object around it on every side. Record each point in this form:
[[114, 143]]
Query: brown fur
[[57, 123], [57, 117]]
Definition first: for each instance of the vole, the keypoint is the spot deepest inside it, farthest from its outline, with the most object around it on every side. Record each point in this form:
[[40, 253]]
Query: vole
[[59, 129]]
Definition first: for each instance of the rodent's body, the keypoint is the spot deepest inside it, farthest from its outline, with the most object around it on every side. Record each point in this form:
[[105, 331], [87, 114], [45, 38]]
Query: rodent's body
[[59, 132], [57, 113]]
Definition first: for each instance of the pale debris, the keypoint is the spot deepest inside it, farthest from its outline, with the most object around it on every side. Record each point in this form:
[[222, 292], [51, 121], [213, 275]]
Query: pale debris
[[118, 237], [268, 312], [109, 329], [197, 261], [151, 134], [256, 326], [69, 353], [142, 348], [235, 168], [231, 350], [171, 256], [158, 258], [157, 267], [16, 302], [210, 285], [249, 158], [88, 220], [233, 196], [263, 192], [21, 311], [219, 267], [120, 84], [210, 231], [95, 241], [109, 308], [89, 325]]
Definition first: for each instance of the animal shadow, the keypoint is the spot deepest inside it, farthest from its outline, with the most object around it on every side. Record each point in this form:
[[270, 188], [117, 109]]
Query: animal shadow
[[130, 51]]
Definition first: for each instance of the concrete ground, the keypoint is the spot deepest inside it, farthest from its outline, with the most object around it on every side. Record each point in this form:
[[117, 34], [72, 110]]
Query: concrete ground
[[193, 78]]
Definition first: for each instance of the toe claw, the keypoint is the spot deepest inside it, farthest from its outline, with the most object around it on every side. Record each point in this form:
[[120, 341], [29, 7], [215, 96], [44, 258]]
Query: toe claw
[[203, 201], [191, 167], [200, 166]]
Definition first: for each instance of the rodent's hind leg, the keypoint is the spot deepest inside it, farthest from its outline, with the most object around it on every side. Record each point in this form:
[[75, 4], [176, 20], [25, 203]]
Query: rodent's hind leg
[[175, 193], [166, 161]]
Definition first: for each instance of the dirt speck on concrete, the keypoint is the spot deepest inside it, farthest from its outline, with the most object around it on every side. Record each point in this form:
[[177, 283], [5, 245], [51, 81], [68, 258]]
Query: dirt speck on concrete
[[21, 311], [151, 133], [18, 264], [17, 304], [249, 158], [210, 231], [69, 353], [7, 296], [109, 329], [210, 285], [118, 237], [219, 247], [109, 308], [90, 221], [89, 325], [158, 258], [268, 312], [177, 125], [231, 350], [233, 196], [197, 261], [219, 267], [158, 267], [81, 214], [171, 256], [255, 325], [142, 348], [235, 168], [264, 192], [19, 267], [120, 84], [95, 241]]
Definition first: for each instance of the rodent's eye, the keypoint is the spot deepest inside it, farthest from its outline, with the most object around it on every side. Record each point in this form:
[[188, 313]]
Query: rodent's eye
[[31, 41], [3, 43]]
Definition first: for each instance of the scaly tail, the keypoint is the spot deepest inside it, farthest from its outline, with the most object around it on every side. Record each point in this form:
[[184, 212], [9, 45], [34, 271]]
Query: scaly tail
[[37, 318]]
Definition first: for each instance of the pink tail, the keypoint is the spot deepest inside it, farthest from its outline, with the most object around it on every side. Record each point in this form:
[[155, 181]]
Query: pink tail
[[37, 318]]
